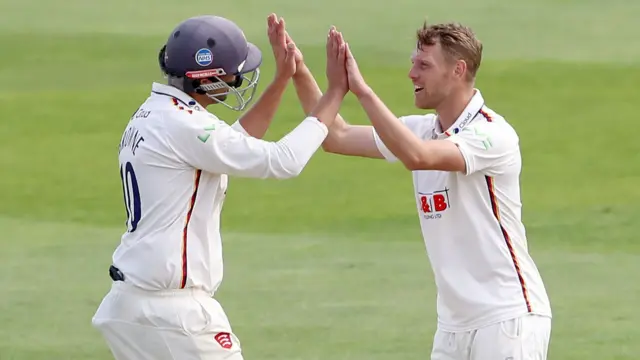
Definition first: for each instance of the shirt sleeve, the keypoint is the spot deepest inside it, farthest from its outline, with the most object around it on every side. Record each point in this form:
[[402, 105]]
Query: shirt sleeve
[[488, 148], [239, 128], [416, 123], [210, 144]]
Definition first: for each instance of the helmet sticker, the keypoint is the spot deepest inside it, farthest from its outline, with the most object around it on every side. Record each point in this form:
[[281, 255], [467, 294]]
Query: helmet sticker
[[204, 57], [199, 74]]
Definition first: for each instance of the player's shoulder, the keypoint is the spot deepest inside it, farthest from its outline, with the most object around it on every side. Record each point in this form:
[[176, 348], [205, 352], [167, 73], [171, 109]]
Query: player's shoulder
[[175, 106], [178, 115], [420, 124], [490, 121]]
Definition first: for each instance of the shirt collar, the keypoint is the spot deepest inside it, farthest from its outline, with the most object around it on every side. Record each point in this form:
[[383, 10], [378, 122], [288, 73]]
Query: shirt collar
[[469, 113], [176, 94]]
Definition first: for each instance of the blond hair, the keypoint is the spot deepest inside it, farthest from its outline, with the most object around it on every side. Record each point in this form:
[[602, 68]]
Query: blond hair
[[458, 42]]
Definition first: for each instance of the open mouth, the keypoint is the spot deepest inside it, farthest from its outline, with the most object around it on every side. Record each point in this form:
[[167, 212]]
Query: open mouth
[[417, 89]]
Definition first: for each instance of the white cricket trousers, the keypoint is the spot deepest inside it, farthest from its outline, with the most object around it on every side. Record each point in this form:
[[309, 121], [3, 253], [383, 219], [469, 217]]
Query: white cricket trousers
[[165, 325], [522, 338]]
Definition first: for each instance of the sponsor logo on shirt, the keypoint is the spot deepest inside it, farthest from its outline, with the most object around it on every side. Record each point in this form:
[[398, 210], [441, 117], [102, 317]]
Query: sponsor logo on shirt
[[433, 204], [224, 339]]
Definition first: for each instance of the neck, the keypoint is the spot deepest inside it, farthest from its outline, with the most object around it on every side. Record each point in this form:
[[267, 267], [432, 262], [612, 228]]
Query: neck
[[203, 100], [451, 108]]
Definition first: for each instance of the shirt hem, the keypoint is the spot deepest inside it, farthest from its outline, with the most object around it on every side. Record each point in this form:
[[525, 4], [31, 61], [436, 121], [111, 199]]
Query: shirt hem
[[494, 319]]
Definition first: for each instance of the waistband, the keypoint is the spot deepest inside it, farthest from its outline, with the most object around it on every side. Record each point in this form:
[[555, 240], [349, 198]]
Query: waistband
[[130, 288], [120, 284]]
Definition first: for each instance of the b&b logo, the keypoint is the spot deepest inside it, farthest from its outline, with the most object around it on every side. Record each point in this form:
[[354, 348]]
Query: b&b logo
[[204, 57], [433, 204]]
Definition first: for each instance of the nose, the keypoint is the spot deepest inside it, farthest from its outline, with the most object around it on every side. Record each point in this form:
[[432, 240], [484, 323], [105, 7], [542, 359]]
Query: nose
[[413, 74]]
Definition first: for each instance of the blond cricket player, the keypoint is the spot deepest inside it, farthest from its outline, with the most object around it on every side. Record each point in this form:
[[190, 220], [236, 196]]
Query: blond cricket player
[[465, 163], [175, 160]]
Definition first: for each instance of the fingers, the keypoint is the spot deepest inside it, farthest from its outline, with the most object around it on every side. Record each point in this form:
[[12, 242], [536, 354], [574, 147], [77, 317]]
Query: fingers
[[336, 46], [334, 43], [271, 20], [280, 26], [290, 56], [342, 49], [339, 51], [348, 53], [288, 38], [276, 29]]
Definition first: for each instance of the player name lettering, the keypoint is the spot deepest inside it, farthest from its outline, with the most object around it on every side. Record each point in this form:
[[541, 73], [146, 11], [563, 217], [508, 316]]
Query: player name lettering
[[131, 139], [141, 113]]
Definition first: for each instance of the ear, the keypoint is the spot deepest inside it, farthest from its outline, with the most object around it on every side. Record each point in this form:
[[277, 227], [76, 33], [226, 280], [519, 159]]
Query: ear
[[460, 69]]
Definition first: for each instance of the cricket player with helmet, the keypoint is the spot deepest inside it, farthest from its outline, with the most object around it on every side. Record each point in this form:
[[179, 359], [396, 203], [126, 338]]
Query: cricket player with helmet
[[465, 162], [175, 158]]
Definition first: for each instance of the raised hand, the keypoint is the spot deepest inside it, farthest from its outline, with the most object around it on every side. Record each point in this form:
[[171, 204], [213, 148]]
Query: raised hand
[[284, 52], [298, 53], [357, 84], [336, 62]]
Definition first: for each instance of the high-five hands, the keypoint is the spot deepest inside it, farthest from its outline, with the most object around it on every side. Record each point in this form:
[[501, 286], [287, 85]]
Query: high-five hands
[[342, 66], [357, 85], [298, 53], [336, 62], [284, 49]]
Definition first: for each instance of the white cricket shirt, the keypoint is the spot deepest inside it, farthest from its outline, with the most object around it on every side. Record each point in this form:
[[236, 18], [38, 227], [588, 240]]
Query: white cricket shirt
[[471, 222], [174, 160]]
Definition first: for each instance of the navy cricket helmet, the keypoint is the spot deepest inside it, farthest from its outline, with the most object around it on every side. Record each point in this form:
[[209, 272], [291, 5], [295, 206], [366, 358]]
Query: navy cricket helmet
[[208, 47]]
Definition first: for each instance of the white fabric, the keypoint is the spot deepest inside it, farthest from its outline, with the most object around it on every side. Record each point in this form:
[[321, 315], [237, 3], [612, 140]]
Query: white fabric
[[175, 157], [471, 222], [523, 338], [165, 325]]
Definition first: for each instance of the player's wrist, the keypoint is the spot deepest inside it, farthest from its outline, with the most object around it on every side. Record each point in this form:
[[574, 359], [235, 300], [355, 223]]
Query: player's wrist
[[364, 93], [280, 80], [336, 92]]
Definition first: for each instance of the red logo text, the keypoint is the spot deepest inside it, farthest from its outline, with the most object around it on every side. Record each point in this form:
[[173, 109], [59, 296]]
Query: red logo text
[[431, 204]]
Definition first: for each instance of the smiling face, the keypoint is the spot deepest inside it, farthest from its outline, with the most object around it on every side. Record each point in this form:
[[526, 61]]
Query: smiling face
[[433, 76], [446, 59]]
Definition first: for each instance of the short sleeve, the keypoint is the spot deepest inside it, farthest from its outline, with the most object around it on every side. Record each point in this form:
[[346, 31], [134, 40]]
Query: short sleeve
[[418, 124], [487, 147]]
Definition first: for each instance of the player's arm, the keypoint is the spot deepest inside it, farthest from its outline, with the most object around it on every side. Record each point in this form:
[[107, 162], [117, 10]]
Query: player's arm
[[486, 147], [397, 138], [258, 118], [256, 121], [343, 138], [412, 151], [224, 150], [216, 147]]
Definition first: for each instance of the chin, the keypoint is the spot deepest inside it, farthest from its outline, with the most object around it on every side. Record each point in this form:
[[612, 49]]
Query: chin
[[424, 105]]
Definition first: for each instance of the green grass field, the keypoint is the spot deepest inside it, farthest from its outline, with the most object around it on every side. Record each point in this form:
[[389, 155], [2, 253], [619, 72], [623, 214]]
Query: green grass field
[[330, 265]]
